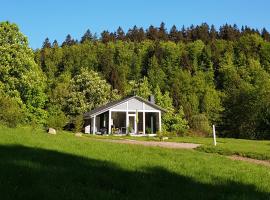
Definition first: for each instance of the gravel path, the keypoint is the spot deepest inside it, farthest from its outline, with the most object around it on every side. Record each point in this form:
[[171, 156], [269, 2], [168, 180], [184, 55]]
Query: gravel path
[[170, 145], [261, 162]]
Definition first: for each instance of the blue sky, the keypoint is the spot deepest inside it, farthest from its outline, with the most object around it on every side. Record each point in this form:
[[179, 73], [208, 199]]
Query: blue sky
[[56, 18]]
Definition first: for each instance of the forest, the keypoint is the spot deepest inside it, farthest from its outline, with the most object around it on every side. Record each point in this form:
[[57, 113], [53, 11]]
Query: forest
[[201, 74]]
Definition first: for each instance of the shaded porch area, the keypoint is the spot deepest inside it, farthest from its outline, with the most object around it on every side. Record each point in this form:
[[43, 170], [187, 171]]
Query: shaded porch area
[[124, 122]]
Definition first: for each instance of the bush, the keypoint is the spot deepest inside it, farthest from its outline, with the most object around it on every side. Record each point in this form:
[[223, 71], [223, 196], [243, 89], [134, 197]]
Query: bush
[[11, 113], [200, 123], [78, 123], [175, 122], [56, 118]]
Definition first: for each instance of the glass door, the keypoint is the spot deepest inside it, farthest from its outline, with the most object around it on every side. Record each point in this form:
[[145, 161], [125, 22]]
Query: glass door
[[132, 124]]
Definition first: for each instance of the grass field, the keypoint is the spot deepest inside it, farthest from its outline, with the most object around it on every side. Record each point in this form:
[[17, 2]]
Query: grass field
[[225, 146], [35, 165]]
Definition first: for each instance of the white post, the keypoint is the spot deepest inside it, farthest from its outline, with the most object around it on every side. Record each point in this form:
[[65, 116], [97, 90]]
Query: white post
[[143, 118], [214, 135], [159, 120], [152, 123], [94, 125], [143, 122], [127, 120], [110, 122]]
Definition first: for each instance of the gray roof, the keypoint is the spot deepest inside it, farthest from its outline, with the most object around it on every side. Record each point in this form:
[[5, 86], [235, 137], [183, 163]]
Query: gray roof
[[107, 106]]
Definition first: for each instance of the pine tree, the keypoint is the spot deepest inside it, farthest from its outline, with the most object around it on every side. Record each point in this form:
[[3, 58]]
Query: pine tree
[[69, 41], [87, 36], [120, 34], [152, 33], [162, 33], [265, 35], [46, 44], [55, 44]]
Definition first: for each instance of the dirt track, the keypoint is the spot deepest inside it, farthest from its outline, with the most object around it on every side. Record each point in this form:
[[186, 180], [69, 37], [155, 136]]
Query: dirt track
[[261, 162], [171, 145]]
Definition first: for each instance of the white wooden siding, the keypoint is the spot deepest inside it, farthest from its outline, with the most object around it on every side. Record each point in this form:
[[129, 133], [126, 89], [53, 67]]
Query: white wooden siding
[[122, 106], [148, 107], [134, 104]]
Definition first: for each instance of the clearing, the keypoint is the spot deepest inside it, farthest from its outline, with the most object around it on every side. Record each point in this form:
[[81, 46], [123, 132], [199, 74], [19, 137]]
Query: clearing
[[35, 165]]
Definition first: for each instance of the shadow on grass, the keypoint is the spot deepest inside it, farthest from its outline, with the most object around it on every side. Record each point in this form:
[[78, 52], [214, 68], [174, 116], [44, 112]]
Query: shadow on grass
[[31, 173]]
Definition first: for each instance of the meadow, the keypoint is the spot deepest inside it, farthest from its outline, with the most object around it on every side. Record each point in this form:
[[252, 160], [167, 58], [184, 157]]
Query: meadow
[[35, 165]]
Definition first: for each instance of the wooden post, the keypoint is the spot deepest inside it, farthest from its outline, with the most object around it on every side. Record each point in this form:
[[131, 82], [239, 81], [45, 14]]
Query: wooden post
[[214, 135]]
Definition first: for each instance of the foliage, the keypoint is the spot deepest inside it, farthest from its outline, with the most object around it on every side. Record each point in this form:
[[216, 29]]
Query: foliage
[[175, 122], [20, 76], [141, 88], [11, 113], [78, 123], [200, 123], [56, 118], [216, 76], [87, 91]]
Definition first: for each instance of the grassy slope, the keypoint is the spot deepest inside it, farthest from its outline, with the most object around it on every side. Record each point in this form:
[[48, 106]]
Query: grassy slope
[[225, 146], [41, 166]]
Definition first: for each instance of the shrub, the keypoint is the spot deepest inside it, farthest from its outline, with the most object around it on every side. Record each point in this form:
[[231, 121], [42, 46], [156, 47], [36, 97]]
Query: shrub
[[11, 113], [175, 122], [200, 123], [56, 118], [148, 130], [78, 123]]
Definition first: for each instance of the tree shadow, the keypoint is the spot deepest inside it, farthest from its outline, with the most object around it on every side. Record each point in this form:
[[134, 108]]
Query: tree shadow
[[32, 173]]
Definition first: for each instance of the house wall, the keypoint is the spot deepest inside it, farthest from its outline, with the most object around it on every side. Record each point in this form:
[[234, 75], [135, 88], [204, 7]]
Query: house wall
[[133, 104], [122, 106], [148, 107], [145, 111]]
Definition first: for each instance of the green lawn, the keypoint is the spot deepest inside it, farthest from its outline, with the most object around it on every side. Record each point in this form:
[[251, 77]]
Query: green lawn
[[35, 165], [225, 146]]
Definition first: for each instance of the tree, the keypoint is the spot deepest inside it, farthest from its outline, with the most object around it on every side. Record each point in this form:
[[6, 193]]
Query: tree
[[55, 44], [155, 73], [163, 100], [87, 36], [175, 35], [46, 44], [265, 35], [20, 76], [106, 37], [120, 34], [87, 91], [11, 113], [175, 122], [69, 41], [218, 76], [56, 118], [162, 33], [152, 33], [140, 88]]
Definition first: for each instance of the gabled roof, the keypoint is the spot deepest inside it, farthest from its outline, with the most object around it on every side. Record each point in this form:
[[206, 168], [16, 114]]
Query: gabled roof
[[107, 106]]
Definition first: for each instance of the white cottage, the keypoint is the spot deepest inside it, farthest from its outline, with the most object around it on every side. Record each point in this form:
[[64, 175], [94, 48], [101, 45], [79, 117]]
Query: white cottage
[[132, 114]]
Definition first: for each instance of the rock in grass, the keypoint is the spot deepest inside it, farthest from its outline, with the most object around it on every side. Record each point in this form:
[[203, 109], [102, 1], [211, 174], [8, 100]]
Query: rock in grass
[[78, 134], [52, 131]]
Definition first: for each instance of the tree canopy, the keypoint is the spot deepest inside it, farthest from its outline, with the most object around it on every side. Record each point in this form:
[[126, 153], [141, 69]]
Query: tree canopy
[[201, 74]]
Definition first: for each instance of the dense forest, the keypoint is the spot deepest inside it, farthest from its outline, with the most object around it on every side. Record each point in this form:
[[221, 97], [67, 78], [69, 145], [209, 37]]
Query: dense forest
[[200, 74]]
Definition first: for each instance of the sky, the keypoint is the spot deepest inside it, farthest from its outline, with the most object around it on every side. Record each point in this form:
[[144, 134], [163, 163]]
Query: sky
[[55, 19]]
